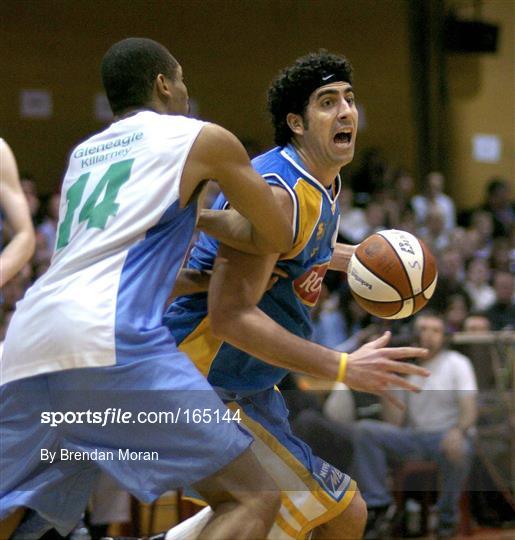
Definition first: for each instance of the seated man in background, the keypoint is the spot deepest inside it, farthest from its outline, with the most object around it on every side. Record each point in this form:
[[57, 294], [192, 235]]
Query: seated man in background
[[502, 313], [437, 424]]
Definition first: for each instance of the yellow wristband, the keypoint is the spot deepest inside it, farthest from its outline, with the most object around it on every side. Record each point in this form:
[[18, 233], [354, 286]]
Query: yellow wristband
[[343, 367]]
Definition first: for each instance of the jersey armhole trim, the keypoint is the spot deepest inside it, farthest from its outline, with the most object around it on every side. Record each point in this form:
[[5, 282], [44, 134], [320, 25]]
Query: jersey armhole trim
[[295, 218]]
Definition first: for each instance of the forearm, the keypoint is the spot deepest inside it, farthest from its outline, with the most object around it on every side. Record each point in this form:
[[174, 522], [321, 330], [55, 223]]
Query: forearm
[[254, 332], [17, 253], [341, 257], [190, 281], [270, 229], [231, 229]]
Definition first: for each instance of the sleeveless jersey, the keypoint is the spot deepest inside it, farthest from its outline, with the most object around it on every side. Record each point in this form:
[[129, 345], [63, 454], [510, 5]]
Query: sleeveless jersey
[[122, 238], [316, 215]]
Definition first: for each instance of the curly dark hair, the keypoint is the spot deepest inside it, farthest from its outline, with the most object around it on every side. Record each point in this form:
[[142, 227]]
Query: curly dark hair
[[290, 91], [129, 69]]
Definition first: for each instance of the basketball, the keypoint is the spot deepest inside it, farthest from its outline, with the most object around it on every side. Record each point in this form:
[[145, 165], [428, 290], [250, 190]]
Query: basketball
[[392, 274]]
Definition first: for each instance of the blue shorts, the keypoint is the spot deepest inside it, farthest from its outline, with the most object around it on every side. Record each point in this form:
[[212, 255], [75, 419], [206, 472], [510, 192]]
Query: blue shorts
[[312, 491], [153, 425]]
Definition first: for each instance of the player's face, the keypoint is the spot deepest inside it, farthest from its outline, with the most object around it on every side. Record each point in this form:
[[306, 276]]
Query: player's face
[[431, 333], [332, 123], [179, 99]]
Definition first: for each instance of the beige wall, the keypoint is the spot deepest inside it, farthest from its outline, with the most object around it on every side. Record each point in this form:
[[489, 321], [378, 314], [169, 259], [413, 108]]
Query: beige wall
[[482, 100], [230, 50]]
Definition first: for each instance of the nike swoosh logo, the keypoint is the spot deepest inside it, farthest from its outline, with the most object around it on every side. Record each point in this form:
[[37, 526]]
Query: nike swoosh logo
[[326, 77]]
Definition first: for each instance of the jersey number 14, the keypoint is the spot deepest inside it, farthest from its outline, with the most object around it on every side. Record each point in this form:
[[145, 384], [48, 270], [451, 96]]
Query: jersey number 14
[[96, 213]]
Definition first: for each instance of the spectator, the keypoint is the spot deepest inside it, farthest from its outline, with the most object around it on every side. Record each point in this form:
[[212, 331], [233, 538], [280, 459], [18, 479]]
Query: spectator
[[47, 231], [476, 323], [435, 197], [460, 241], [483, 226], [450, 279], [437, 424], [352, 219], [457, 310], [502, 257], [370, 175], [327, 319], [28, 185], [502, 313], [403, 188], [500, 206], [433, 232], [358, 323], [408, 222], [481, 294]]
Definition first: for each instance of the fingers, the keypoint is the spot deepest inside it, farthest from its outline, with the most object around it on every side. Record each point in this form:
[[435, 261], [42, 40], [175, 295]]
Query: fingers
[[399, 382], [405, 368], [380, 341], [280, 272], [404, 352]]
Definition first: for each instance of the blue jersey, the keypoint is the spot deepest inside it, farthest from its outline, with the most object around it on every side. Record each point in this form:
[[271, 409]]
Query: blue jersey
[[315, 216]]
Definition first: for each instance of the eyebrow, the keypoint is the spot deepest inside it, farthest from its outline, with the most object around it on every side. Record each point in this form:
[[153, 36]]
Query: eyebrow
[[333, 91]]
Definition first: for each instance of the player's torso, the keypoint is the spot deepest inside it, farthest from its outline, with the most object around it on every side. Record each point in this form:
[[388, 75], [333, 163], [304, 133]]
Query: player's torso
[[121, 238], [316, 217]]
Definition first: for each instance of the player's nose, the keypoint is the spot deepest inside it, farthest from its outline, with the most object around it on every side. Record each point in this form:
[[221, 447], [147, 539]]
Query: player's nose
[[344, 108]]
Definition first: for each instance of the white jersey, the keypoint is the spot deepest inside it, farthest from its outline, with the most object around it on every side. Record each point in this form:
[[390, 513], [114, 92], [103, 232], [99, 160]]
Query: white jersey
[[121, 240]]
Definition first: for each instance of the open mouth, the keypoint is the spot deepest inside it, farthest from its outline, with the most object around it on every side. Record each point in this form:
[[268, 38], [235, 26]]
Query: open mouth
[[343, 137]]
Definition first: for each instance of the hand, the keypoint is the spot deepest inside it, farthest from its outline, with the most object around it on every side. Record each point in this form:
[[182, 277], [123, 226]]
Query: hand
[[373, 368], [453, 445]]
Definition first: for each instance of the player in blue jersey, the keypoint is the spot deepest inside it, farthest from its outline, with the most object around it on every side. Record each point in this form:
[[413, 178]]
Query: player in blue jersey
[[246, 340], [91, 380]]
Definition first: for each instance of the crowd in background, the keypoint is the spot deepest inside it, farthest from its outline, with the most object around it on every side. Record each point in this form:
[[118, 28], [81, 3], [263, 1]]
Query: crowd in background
[[474, 250]]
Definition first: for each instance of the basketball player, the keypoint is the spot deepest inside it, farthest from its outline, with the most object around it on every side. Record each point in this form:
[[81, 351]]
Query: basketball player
[[16, 211], [87, 342], [245, 342]]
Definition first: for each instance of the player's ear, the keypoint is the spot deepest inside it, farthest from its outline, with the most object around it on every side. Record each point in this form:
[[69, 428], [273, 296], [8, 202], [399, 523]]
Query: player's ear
[[295, 123], [163, 87]]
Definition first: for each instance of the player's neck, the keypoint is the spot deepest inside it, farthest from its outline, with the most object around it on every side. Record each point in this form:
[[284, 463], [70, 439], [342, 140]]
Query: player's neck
[[323, 173], [131, 111]]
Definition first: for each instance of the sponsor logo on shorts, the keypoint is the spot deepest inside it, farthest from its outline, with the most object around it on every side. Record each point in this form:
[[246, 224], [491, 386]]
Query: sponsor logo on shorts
[[334, 481]]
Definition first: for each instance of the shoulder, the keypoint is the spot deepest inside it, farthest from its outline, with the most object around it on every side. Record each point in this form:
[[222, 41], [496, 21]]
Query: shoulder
[[219, 146]]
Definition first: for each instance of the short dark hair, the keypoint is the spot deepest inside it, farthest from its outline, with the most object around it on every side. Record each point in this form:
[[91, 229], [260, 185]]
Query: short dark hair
[[290, 91], [129, 70], [495, 185]]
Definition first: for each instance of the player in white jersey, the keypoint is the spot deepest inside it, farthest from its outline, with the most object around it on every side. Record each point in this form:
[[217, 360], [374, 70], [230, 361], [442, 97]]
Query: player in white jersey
[[90, 378]]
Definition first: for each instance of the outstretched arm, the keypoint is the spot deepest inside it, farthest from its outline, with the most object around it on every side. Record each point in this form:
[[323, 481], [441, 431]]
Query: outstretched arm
[[237, 284], [14, 206], [218, 155]]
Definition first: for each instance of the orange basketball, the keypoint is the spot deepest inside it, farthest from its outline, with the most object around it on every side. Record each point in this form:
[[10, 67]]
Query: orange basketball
[[392, 274]]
